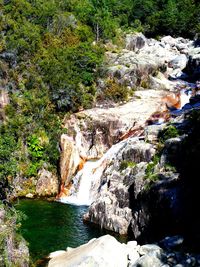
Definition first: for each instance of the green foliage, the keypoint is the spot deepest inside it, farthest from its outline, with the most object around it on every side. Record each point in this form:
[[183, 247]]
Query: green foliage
[[8, 161], [114, 91], [150, 169], [167, 133], [36, 150], [126, 164]]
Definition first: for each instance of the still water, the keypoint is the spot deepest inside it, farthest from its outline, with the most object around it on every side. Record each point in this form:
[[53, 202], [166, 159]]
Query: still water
[[54, 226]]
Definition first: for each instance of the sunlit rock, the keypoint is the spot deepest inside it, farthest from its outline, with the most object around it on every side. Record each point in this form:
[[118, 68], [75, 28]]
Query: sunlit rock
[[111, 206], [70, 159], [47, 183], [104, 251], [135, 41]]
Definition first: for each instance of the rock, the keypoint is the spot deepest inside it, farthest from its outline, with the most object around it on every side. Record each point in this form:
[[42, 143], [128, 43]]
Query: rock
[[117, 71], [111, 205], [170, 242], [104, 251], [47, 183], [147, 261], [29, 195], [22, 186], [152, 132], [107, 251], [172, 151], [2, 215], [92, 132], [152, 250], [4, 99], [14, 250], [69, 160], [132, 251], [169, 40], [56, 253], [141, 151], [177, 74], [179, 62], [193, 66], [160, 82], [135, 42]]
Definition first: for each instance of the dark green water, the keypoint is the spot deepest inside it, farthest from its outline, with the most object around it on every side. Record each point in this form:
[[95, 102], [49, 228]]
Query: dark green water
[[52, 226]]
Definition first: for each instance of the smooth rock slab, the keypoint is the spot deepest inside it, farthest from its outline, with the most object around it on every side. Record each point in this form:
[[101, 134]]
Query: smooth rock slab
[[104, 251]]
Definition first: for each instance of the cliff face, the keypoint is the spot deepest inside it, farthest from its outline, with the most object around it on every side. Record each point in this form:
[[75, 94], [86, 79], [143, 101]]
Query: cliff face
[[111, 207]]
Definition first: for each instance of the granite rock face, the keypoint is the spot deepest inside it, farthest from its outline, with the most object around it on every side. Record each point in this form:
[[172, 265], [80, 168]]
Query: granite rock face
[[47, 184], [92, 132], [69, 160], [111, 207], [13, 248]]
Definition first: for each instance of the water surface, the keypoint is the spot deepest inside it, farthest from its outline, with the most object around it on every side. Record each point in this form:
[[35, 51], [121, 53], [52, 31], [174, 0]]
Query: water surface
[[52, 226]]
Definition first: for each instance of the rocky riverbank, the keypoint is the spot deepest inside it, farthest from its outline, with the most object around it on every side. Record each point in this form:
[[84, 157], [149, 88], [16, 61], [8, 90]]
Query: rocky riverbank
[[152, 70], [141, 174], [107, 251]]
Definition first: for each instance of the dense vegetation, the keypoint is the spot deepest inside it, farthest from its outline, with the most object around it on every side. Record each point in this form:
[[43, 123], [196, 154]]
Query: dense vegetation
[[49, 55]]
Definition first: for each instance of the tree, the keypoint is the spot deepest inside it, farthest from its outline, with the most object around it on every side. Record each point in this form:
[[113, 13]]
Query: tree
[[169, 17]]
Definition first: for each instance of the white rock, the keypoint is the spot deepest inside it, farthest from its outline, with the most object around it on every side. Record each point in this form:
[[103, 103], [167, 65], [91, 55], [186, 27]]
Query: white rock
[[104, 251], [56, 253]]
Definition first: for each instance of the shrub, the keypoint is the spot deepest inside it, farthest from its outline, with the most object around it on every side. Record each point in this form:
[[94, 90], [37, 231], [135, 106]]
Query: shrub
[[150, 169], [167, 133], [114, 91]]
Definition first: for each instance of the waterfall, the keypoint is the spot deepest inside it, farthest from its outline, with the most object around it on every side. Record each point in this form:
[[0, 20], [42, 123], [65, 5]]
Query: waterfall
[[86, 181], [80, 192], [184, 97]]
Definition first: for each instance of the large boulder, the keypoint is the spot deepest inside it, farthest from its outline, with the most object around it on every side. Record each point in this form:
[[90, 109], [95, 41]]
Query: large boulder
[[193, 66], [104, 251], [135, 42], [179, 62]]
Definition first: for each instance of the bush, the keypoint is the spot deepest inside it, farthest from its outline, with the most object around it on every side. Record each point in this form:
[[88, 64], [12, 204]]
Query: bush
[[150, 169], [167, 133], [114, 91]]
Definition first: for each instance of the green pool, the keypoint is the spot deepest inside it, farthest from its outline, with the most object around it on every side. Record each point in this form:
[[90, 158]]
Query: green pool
[[54, 226]]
